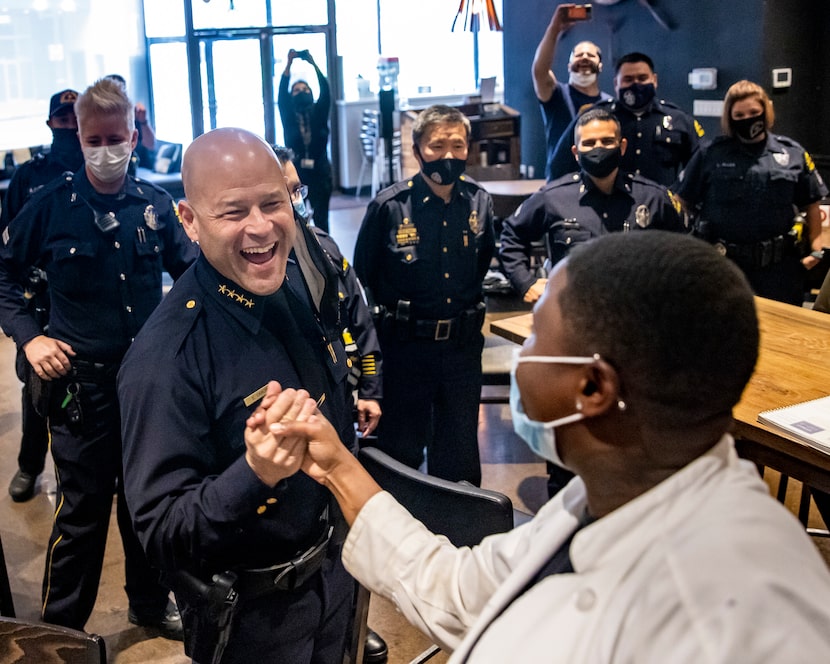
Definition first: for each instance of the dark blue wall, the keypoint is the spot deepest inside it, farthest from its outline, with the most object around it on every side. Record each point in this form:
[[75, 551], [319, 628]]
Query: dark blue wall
[[741, 38]]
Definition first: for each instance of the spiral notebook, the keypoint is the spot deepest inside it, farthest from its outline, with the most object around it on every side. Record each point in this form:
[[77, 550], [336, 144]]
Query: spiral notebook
[[808, 421]]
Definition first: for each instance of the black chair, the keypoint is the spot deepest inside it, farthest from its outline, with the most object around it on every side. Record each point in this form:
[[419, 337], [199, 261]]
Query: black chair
[[25, 642], [464, 513], [6, 600], [168, 157]]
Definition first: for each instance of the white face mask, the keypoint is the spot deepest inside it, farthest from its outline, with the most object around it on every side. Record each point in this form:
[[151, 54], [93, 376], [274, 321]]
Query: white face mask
[[108, 163], [541, 436], [581, 79]]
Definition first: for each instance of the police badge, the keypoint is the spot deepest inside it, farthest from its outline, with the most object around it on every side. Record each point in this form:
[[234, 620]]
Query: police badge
[[781, 158], [473, 221], [642, 216], [667, 122], [151, 218]]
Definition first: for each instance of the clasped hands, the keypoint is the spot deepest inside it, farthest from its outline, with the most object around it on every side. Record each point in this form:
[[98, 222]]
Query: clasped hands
[[287, 433]]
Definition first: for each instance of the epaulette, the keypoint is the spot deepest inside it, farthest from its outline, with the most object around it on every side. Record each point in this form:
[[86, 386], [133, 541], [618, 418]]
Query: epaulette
[[394, 191], [474, 184], [644, 181], [567, 180], [147, 184], [39, 160]]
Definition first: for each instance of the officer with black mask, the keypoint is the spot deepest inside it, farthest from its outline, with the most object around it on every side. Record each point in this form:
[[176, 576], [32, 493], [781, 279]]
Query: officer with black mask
[[661, 137], [305, 124], [577, 207], [65, 155]]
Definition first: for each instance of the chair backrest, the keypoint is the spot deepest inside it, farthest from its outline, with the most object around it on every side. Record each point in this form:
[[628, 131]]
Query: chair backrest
[[168, 157], [464, 513], [25, 642]]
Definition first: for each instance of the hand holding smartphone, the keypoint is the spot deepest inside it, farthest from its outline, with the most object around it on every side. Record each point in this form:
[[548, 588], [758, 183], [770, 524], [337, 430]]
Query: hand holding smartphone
[[580, 12]]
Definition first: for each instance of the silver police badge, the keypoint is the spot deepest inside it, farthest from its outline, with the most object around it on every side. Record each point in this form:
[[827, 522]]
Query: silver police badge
[[781, 158], [667, 122], [642, 216], [151, 218]]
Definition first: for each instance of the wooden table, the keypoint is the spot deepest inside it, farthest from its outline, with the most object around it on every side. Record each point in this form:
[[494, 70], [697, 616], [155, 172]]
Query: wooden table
[[793, 366]]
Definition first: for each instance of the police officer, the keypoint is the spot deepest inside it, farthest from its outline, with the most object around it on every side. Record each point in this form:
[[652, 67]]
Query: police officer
[[745, 188], [255, 565], [358, 333], [422, 252], [103, 239], [661, 137], [600, 199], [65, 155]]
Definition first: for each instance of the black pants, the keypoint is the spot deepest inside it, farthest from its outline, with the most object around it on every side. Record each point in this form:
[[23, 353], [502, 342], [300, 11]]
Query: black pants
[[319, 183], [88, 470], [34, 443], [431, 394], [304, 626]]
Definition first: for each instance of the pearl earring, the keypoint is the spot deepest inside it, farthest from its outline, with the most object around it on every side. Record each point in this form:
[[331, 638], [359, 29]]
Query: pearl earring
[[578, 405], [621, 405]]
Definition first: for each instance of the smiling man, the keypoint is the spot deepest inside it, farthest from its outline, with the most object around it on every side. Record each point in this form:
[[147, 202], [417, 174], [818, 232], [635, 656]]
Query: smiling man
[[202, 507]]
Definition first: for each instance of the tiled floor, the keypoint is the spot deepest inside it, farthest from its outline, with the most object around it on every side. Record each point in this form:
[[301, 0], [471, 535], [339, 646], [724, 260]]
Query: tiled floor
[[507, 466]]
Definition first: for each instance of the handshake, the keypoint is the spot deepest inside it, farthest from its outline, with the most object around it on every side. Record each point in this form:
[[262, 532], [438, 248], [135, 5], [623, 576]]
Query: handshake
[[287, 433]]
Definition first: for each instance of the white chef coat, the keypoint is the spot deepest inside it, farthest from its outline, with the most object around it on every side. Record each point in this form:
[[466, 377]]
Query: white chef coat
[[704, 567]]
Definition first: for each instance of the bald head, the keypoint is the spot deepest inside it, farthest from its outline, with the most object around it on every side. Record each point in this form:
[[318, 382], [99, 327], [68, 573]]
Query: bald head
[[237, 208], [229, 154]]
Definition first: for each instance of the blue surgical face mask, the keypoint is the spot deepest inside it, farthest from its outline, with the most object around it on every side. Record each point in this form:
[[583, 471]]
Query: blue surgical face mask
[[541, 436]]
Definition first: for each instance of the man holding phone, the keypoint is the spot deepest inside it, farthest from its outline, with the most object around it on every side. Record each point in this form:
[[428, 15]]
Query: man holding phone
[[561, 102]]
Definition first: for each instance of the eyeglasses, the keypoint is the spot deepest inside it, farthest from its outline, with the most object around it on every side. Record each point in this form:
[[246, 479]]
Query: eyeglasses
[[299, 193]]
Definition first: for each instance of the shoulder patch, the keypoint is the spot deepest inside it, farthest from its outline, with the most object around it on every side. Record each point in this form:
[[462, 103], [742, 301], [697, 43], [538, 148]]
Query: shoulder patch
[[675, 201]]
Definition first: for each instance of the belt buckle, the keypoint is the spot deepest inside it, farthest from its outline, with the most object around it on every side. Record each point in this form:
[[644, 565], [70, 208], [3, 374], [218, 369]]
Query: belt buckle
[[443, 328]]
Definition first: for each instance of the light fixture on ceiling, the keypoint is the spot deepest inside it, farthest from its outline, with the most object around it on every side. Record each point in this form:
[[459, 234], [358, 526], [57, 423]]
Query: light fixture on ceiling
[[475, 12]]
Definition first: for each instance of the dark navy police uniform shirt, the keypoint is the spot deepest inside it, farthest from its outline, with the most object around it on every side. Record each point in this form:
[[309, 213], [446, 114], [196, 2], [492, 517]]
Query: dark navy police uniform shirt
[[661, 141], [414, 247], [103, 285], [746, 193], [200, 366], [571, 210]]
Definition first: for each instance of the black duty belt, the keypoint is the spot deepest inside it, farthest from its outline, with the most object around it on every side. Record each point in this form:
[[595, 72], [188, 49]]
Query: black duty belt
[[87, 371], [758, 255], [462, 327], [252, 583]]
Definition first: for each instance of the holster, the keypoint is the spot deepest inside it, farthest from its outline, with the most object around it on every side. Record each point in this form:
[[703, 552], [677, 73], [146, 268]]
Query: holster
[[209, 615]]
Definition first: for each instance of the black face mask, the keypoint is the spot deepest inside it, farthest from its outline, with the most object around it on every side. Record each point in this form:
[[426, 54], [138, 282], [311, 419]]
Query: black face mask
[[66, 148], [600, 162], [750, 129], [302, 100], [637, 95], [444, 171]]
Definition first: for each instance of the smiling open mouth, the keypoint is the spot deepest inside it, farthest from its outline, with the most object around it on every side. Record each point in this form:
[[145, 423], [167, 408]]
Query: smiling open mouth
[[259, 255]]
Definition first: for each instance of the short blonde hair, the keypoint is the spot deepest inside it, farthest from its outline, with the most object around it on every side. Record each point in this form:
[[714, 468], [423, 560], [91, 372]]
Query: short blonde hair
[[740, 91], [105, 97]]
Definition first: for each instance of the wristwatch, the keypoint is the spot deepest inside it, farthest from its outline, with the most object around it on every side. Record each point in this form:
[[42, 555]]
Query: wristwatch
[[818, 254]]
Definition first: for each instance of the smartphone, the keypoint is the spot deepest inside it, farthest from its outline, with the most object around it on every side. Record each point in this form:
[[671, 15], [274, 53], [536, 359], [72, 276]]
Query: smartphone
[[580, 13]]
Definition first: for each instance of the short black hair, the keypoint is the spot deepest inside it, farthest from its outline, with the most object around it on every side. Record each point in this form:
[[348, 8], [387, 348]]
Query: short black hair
[[675, 318], [283, 153], [592, 114], [633, 57]]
